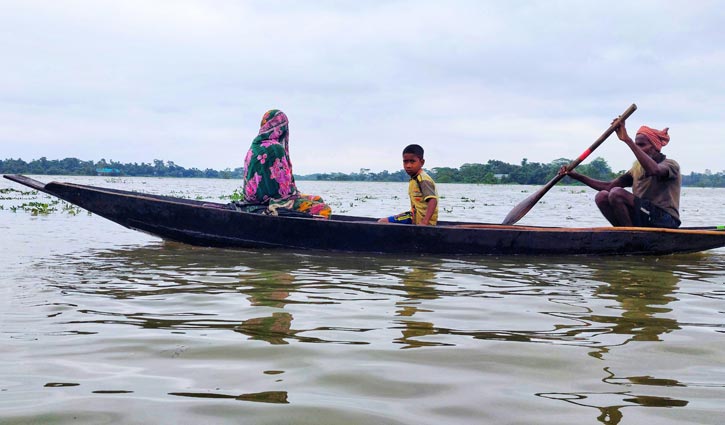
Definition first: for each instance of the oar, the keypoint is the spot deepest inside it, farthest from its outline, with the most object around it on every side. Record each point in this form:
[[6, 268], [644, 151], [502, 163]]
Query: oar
[[524, 206]]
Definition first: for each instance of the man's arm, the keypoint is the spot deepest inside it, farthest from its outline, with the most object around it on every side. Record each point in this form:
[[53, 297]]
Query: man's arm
[[621, 181], [651, 167]]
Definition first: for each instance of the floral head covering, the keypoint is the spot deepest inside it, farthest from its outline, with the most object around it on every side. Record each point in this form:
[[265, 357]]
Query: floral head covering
[[274, 128], [267, 166]]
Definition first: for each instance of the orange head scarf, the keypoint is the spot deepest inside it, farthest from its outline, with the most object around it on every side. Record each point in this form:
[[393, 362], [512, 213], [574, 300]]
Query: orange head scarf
[[658, 138]]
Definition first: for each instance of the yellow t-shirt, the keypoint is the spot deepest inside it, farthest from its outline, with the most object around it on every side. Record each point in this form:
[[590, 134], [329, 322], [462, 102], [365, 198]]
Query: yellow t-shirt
[[420, 189]]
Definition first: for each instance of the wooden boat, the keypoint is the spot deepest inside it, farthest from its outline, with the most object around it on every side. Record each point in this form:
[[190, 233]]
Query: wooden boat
[[213, 224]]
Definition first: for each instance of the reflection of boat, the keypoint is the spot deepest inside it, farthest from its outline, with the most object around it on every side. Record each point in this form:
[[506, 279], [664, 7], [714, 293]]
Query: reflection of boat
[[211, 224]]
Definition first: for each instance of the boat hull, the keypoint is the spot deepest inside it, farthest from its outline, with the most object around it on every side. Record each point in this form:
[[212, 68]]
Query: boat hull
[[211, 224]]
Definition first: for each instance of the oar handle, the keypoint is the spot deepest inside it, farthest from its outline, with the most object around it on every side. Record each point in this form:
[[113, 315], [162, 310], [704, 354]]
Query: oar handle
[[608, 132], [524, 206]]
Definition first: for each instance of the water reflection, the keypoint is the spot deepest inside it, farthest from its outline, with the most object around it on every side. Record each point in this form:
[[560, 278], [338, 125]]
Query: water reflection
[[180, 281], [642, 291], [419, 285], [277, 397], [278, 298], [612, 414], [208, 335], [177, 283], [270, 289]]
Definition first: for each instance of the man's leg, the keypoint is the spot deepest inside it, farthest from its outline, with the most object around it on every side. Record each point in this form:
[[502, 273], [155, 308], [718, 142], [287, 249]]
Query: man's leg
[[602, 201], [617, 206], [621, 202]]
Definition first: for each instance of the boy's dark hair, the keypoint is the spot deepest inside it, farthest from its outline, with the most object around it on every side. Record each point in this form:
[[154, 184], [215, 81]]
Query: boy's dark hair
[[416, 150]]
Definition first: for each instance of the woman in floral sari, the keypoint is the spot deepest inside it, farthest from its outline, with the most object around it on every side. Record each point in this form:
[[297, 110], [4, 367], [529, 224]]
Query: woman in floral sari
[[268, 175]]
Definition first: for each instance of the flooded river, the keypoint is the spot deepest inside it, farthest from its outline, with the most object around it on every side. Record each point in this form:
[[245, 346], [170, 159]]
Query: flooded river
[[103, 325]]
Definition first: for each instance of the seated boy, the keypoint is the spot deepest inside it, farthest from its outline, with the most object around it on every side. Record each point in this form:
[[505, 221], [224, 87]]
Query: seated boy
[[421, 189]]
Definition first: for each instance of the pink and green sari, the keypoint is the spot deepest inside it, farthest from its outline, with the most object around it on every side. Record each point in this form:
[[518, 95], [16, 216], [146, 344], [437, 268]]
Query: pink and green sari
[[268, 177]]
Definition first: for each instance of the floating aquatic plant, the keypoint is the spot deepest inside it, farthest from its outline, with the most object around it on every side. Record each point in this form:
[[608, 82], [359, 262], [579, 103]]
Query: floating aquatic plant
[[44, 208], [35, 208], [236, 196], [16, 194]]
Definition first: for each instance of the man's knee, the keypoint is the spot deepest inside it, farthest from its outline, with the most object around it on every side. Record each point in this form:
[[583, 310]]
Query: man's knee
[[618, 195], [602, 197]]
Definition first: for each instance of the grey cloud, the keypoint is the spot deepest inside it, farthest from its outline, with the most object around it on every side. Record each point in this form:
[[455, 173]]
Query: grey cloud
[[468, 79]]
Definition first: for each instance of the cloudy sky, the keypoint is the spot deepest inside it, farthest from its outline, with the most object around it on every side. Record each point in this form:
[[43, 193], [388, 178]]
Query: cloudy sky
[[188, 81]]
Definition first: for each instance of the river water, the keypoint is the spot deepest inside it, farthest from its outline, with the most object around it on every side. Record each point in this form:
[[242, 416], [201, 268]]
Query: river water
[[103, 325]]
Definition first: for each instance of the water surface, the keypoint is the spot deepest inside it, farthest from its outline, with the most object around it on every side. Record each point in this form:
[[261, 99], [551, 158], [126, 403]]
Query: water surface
[[100, 324]]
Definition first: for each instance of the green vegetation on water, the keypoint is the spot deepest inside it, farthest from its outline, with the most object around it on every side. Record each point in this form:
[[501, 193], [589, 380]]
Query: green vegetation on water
[[45, 208], [492, 172]]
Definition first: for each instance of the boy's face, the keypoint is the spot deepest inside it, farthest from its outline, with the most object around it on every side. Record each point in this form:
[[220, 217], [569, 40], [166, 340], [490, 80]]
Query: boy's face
[[412, 164]]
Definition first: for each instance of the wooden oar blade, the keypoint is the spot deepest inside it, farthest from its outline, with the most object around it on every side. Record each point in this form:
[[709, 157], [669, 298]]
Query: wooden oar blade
[[525, 206], [521, 209]]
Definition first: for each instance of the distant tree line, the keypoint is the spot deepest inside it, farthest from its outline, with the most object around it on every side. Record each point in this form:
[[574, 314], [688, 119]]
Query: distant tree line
[[492, 172], [76, 167]]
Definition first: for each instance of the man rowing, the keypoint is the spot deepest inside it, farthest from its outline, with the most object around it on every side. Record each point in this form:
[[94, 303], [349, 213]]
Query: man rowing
[[655, 181]]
